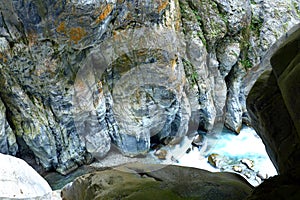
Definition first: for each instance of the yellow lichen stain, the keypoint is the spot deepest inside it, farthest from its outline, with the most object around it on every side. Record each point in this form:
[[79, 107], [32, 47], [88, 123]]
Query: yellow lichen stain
[[178, 87], [106, 11], [119, 35], [99, 87], [115, 34], [162, 6], [32, 38], [183, 80], [76, 34], [99, 96], [174, 63], [38, 72], [3, 58], [79, 85], [50, 65], [172, 78], [62, 28]]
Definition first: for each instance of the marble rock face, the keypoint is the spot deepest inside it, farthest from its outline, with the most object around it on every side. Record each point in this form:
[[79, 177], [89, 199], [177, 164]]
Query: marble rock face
[[80, 76], [134, 90], [8, 143]]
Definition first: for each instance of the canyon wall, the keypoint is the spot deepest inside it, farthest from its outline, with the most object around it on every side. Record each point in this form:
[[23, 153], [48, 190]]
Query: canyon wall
[[79, 76]]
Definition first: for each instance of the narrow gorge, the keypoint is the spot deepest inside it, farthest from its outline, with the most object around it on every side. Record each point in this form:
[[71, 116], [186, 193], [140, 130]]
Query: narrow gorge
[[82, 78]]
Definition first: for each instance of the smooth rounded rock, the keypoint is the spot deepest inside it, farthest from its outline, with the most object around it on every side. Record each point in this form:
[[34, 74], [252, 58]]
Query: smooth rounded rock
[[20, 181], [136, 181]]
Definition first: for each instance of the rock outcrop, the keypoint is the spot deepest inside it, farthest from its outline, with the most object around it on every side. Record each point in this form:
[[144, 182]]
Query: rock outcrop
[[8, 143], [156, 182], [79, 76], [273, 105], [20, 181]]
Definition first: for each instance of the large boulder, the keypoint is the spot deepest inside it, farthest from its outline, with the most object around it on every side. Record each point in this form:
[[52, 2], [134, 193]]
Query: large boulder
[[273, 105], [135, 181], [20, 181], [283, 187]]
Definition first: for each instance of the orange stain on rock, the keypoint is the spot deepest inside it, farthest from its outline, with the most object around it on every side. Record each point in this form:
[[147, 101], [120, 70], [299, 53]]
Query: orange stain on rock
[[106, 11], [32, 38], [162, 6], [3, 58], [173, 64], [61, 28], [76, 34], [79, 85]]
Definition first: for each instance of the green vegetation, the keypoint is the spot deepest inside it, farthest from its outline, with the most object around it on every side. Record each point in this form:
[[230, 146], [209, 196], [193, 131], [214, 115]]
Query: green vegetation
[[199, 33], [190, 13], [245, 42], [297, 8], [224, 17], [256, 24], [198, 17], [190, 72], [285, 26], [194, 77], [246, 63], [202, 38], [245, 46], [214, 31]]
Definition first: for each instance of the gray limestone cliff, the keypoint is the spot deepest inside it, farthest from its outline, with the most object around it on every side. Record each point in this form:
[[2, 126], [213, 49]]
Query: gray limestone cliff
[[79, 76]]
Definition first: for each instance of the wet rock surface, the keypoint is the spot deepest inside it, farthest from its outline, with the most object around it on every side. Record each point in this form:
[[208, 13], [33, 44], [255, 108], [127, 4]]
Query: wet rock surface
[[243, 167], [134, 181]]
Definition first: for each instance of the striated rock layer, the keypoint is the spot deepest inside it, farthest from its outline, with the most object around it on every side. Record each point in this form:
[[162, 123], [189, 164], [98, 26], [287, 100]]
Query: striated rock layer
[[79, 76]]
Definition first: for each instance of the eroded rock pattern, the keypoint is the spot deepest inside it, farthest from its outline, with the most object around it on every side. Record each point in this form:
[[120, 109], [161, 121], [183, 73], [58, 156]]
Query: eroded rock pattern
[[79, 76]]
